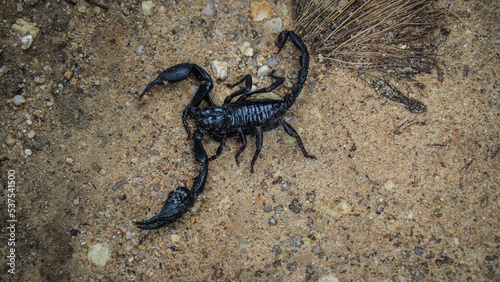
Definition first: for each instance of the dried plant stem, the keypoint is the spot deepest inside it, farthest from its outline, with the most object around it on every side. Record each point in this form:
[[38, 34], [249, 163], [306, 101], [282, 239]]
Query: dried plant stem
[[371, 33]]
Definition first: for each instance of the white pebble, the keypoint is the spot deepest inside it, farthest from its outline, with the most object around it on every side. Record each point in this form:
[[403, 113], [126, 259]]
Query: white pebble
[[273, 25], [209, 10], [99, 254], [148, 8], [31, 2], [248, 52], [4, 69], [219, 68], [175, 238], [259, 11], [10, 140], [244, 46], [27, 152], [273, 61], [39, 79], [18, 100], [140, 49], [26, 40], [82, 9], [389, 185], [31, 134], [263, 71], [328, 278]]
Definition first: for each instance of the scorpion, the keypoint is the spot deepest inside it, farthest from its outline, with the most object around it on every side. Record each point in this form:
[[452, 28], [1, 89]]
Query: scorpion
[[234, 118]]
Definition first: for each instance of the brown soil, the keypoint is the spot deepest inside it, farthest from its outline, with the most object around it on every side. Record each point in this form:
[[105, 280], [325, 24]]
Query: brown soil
[[393, 195]]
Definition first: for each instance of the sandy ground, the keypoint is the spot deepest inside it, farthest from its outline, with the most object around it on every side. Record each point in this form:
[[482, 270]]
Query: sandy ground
[[393, 195]]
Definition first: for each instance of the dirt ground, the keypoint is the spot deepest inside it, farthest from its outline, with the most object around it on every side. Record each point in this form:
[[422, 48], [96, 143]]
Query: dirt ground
[[392, 195]]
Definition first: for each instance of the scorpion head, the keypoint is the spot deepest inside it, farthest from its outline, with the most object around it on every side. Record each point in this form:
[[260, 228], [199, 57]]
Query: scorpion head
[[212, 119]]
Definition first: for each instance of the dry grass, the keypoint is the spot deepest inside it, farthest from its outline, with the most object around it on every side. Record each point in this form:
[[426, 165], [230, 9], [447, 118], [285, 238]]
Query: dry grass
[[371, 33]]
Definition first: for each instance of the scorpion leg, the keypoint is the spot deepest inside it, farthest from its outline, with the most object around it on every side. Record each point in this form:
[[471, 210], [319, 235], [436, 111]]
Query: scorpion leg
[[289, 129], [258, 144], [245, 93], [181, 199], [220, 149], [243, 145], [248, 87]]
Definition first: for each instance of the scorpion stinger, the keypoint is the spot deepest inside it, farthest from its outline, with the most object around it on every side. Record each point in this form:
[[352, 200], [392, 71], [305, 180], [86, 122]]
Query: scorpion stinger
[[181, 199], [234, 118]]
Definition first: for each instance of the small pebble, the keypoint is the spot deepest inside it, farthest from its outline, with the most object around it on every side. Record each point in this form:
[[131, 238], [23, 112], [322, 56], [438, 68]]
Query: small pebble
[[260, 11], [175, 238], [389, 184], [296, 241], [31, 2], [31, 134], [209, 10], [27, 152], [328, 278], [26, 40], [10, 140], [77, 167], [39, 79], [140, 49], [4, 69], [243, 245], [225, 204], [248, 52], [82, 9], [276, 250], [244, 46], [23, 27], [68, 74], [219, 68], [148, 8], [18, 100], [272, 221], [263, 71], [99, 255], [273, 61], [273, 25], [338, 209]]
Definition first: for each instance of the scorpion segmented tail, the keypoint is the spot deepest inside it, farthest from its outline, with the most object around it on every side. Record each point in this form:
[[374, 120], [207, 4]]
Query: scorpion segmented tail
[[304, 63]]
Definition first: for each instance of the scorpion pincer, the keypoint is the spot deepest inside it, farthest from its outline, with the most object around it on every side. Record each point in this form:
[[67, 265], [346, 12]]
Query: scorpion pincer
[[234, 118]]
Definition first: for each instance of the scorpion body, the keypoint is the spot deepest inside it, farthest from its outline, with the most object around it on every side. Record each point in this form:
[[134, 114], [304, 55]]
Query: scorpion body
[[239, 118]]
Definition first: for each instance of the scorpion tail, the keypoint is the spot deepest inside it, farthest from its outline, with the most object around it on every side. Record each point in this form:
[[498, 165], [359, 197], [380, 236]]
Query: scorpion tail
[[180, 201], [304, 63]]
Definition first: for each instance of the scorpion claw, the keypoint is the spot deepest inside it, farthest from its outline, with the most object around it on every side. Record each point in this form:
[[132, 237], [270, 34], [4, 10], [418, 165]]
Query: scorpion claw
[[177, 204]]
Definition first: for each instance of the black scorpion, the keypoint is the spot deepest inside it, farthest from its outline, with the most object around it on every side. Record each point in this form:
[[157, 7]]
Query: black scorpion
[[239, 118]]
